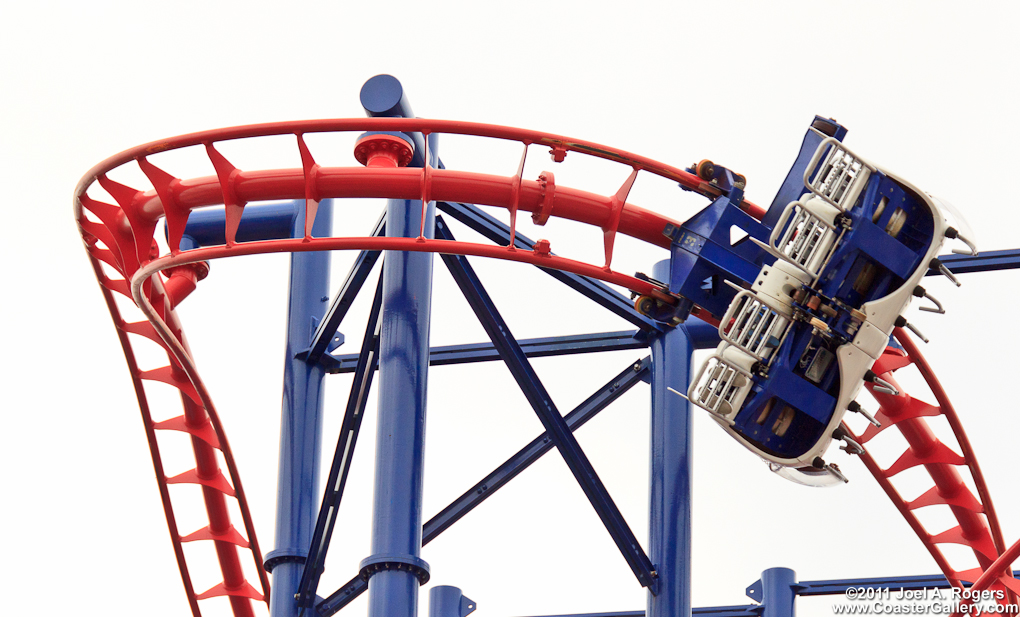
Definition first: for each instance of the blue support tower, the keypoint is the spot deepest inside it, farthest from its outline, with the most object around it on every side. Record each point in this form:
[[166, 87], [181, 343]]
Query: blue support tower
[[669, 542], [301, 424], [395, 568]]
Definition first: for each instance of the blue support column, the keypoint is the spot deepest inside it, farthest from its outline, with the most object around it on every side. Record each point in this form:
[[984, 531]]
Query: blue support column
[[301, 424], [395, 568], [779, 592], [669, 542]]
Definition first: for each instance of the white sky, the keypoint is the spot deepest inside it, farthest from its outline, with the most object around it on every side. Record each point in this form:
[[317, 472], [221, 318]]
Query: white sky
[[927, 89]]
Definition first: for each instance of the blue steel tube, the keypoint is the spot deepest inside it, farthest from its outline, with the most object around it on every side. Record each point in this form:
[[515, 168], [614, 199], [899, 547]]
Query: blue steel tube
[[395, 568], [298, 490], [669, 542], [779, 595]]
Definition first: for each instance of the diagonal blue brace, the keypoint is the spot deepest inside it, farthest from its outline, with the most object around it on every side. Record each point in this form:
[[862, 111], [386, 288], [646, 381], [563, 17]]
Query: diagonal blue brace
[[341, 466], [599, 400], [499, 233], [344, 299], [484, 488], [554, 424]]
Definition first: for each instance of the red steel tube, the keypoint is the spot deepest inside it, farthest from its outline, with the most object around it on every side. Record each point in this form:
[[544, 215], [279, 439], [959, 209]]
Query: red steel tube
[[946, 477], [446, 185], [414, 125], [405, 183], [207, 468], [961, 436]]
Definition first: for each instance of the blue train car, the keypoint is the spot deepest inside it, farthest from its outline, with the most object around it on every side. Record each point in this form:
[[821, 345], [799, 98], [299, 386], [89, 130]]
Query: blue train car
[[799, 341]]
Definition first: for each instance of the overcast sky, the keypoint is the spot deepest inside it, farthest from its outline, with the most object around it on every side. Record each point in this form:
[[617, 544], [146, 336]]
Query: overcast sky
[[927, 89]]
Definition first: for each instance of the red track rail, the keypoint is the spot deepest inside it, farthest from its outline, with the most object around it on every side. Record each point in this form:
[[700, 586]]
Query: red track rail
[[207, 437], [122, 236], [120, 239], [977, 524]]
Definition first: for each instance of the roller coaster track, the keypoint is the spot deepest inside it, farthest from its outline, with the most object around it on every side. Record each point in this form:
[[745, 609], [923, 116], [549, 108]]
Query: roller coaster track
[[121, 240], [977, 523]]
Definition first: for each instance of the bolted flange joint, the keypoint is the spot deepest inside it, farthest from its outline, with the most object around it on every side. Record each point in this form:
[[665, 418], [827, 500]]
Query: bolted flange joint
[[275, 558], [378, 149], [408, 563]]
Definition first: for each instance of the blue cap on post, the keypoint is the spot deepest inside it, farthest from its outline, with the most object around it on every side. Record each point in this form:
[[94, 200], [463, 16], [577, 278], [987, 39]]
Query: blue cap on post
[[384, 96]]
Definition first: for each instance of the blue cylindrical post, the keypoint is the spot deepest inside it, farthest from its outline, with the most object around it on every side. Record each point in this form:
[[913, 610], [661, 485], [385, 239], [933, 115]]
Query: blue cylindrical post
[[448, 601], [395, 568], [298, 492], [669, 542], [779, 595]]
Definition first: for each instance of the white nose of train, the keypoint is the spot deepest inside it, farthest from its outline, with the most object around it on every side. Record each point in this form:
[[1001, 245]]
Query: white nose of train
[[799, 344]]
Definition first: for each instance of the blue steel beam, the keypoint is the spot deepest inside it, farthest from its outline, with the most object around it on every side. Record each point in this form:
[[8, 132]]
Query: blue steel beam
[[779, 592], [395, 570], [206, 227], [533, 348], [750, 610], [383, 96], [344, 299], [499, 233], [839, 586], [343, 596], [669, 475], [517, 463], [603, 397], [550, 417], [449, 601], [342, 457], [301, 420], [987, 261]]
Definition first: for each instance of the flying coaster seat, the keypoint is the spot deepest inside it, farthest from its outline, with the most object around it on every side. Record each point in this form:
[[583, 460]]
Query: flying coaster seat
[[798, 344]]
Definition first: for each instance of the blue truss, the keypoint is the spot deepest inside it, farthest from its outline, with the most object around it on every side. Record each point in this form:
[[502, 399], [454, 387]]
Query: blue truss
[[487, 486], [554, 424], [775, 596]]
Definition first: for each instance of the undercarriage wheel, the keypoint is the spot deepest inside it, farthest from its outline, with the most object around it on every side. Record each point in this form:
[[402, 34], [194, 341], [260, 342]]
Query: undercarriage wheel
[[706, 170], [645, 305]]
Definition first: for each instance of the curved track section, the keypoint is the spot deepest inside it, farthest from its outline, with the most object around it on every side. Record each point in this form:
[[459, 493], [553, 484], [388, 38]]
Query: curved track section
[[977, 524], [210, 449], [120, 238]]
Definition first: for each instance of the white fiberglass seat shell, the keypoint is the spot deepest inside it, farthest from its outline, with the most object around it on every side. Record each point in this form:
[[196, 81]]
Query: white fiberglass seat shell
[[758, 317], [723, 382]]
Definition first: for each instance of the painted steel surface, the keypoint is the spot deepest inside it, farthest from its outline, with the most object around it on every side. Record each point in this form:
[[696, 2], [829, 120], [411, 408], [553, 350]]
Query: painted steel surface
[[499, 477], [301, 420], [395, 568], [977, 522], [670, 470], [118, 237]]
